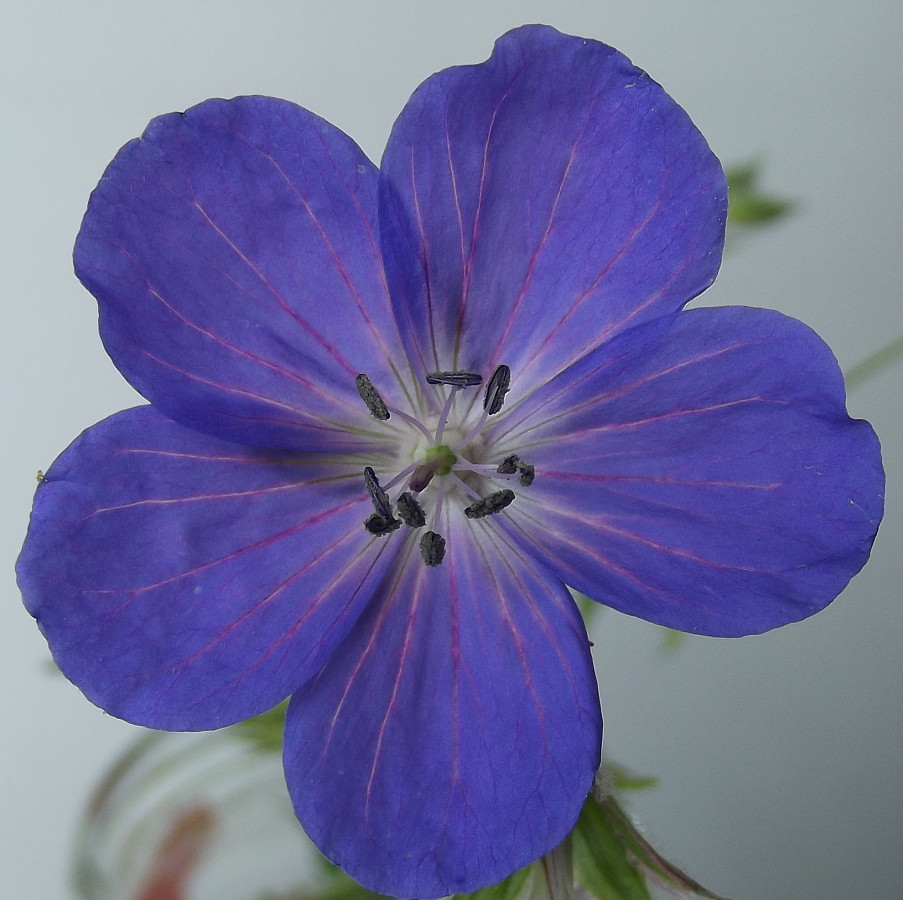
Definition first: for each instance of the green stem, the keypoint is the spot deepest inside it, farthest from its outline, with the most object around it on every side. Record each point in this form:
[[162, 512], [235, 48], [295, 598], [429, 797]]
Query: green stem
[[875, 363]]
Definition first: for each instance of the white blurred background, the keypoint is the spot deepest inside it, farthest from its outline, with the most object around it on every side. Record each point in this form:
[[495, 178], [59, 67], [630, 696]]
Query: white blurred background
[[780, 755]]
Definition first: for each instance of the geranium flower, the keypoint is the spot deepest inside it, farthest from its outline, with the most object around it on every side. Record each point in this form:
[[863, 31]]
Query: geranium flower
[[393, 413]]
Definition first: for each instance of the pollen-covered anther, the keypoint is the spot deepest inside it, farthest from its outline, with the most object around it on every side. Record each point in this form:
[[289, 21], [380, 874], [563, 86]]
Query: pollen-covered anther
[[490, 505], [410, 510], [379, 497], [370, 396], [432, 548], [513, 464], [455, 379], [380, 525], [496, 390]]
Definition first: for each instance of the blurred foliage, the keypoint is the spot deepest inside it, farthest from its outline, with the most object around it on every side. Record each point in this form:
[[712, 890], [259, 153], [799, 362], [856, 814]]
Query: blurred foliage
[[875, 363], [747, 205], [264, 730]]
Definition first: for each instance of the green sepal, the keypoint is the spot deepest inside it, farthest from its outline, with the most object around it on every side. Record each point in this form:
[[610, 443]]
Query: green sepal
[[601, 856], [613, 860]]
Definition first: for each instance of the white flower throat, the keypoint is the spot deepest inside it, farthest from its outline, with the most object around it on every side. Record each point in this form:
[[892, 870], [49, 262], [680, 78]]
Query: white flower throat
[[440, 462]]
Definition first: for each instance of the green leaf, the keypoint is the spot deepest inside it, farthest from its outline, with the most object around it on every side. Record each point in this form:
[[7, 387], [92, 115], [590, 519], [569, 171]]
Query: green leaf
[[622, 779], [751, 209], [747, 204], [742, 177]]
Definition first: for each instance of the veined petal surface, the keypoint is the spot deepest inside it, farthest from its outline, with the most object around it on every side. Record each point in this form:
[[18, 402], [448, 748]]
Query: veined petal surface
[[700, 472], [233, 253], [537, 204], [186, 583], [454, 735]]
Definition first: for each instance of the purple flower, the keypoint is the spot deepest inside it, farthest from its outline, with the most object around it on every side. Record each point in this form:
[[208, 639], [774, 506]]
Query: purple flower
[[393, 413]]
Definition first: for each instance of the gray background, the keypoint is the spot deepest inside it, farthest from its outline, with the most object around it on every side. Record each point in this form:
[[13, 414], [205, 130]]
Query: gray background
[[779, 756]]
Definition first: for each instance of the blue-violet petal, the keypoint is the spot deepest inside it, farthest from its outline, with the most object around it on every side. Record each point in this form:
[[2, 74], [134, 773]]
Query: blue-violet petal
[[453, 737], [232, 250], [186, 583], [537, 204], [701, 472]]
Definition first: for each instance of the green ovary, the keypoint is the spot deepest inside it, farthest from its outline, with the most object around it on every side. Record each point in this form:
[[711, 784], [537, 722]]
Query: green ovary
[[441, 459]]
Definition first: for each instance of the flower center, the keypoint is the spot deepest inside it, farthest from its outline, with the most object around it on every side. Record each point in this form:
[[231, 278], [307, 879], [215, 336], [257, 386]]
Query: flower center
[[445, 461]]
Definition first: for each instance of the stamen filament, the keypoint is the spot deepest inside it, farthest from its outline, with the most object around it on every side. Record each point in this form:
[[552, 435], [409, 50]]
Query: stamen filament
[[479, 468], [438, 460], [445, 413], [410, 420], [476, 429], [466, 487], [439, 500]]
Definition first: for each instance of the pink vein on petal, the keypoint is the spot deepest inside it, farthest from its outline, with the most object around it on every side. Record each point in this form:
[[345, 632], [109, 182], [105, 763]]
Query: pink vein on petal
[[227, 628], [467, 257], [407, 643], [569, 386], [465, 262], [337, 260], [227, 495], [543, 526], [534, 258], [520, 647], [664, 417], [597, 522], [309, 421], [285, 638], [241, 551], [290, 461], [391, 591], [240, 351], [631, 239], [377, 257], [657, 479], [666, 548], [425, 263], [457, 662], [293, 313]]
